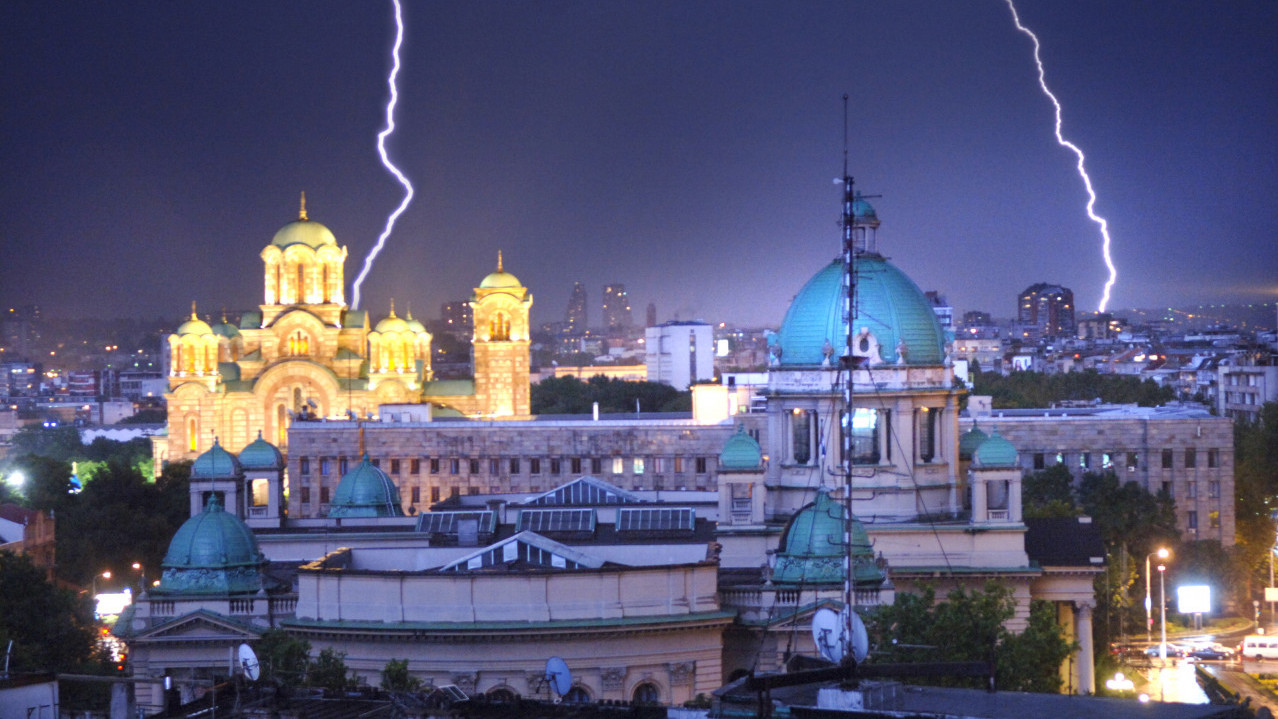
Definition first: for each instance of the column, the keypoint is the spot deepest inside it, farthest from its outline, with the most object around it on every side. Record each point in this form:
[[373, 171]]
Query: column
[[1083, 657]]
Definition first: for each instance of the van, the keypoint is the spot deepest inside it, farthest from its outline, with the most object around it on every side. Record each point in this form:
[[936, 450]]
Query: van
[[1260, 646]]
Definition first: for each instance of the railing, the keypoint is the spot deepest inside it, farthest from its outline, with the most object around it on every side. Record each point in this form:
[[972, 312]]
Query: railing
[[162, 608], [241, 606], [1001, 514], [285, 605]]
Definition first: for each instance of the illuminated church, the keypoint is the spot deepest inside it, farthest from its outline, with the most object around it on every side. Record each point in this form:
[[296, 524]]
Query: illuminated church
[[306, 353]]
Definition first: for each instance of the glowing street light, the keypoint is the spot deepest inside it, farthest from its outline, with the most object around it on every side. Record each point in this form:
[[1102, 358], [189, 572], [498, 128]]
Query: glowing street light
[[1162, 553], [1162, 598]]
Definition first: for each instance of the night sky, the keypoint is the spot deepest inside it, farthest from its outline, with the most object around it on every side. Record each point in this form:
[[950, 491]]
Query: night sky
[[150, 150]]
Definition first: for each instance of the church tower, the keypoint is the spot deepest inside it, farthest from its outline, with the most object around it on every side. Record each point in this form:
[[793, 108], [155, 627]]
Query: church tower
[[501, 343]]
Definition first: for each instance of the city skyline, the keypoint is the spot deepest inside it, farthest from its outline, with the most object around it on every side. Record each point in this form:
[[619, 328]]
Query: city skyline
[[685, 151]]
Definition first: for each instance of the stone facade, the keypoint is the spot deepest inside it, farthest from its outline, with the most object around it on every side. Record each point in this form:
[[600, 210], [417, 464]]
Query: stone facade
[[1187, 453]]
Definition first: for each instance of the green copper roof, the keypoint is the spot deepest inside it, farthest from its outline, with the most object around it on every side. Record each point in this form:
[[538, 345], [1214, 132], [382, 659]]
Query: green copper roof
[[304, 232], [889, 305], [212, 553], [225, 329], [862, 209], [217, 463], [261, 454], [741, 451], [995, 452], [366, 491], [812, 547], [969, 441], [194, 326]]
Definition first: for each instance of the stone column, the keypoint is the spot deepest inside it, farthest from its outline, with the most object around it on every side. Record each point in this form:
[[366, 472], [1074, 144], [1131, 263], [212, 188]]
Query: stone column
[[1083, 658]]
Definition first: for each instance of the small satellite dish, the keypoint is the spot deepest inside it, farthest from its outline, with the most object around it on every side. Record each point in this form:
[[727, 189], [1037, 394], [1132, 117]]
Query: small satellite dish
[[558, 675], [827, 630], [248, 662], [860, 640]]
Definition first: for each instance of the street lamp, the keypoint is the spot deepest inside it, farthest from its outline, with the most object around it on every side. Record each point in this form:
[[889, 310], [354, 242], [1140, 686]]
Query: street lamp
[[1149, 604], [1162, 599]]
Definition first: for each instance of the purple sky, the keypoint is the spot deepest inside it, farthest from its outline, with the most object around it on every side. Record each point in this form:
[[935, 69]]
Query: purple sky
[[686, 149]]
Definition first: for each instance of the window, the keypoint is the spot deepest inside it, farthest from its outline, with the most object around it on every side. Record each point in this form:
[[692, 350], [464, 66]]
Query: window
[[678, 465], [342, 466], [701, 465], [434, 465], [494, 466], [534, 465], [556, 466], [576, 465], [1085, 460], [325, 466], [394, 466], [1191, 490], [618, 465], [1213, 489], [927, 423], [1040, 462], [306, 495], [658, 465], [648, 694], [1213, 458], [638, 465], [514, 465], [1133, 461], [454, 492], [323, 495], [472, 490], [1191, 520], [454, 466], [304, 465], [1167, 459], [377, 463], [417, 495], [596, 465], [1191, 458], [473, 466], [260, 491], [434, 494], [1107, 460], [801, 423], [1166, 488], [415, 466], [865, 435], [1213, 519]]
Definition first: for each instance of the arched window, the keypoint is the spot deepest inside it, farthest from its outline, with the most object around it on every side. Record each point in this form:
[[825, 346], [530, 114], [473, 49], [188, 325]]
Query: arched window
[[324, 284], [281, 425], [301, 282], [577, 695], [647, 693], [499, 328], [502, 694], [192, 434]]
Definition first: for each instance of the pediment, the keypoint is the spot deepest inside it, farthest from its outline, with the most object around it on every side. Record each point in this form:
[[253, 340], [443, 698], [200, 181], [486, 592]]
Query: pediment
[[201, 625]]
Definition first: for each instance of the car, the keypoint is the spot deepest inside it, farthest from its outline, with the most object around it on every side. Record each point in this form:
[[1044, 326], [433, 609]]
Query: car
[[1212, 653], [1172, 650]]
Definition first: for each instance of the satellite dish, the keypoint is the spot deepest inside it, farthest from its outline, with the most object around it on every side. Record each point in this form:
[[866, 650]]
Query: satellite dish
[[558, 675], [248, 662], [860, 640], [827, 631]]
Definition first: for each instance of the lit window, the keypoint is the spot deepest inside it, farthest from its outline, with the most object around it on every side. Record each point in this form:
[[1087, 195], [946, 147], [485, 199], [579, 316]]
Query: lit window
[[261, 492]]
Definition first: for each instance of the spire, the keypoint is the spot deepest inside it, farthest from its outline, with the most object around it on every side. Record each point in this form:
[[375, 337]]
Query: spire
[[499, 269], [193, 315], [392, 308], [408, 316], [302, 214]]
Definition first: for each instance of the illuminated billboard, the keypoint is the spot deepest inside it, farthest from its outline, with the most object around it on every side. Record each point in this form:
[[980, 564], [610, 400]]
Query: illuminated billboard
[[1193, 599]]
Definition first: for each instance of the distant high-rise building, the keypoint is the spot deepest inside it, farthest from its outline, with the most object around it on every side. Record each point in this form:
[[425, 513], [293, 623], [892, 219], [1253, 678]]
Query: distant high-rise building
[[616, 308], [943, 310], [457, 318], [1045, 310], [577, 318], [19, 330], [652, 314], [680, 354], [977, 318]]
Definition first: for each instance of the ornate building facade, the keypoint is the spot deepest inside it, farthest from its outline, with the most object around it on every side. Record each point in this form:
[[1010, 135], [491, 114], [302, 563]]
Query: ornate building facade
[[304, 353]]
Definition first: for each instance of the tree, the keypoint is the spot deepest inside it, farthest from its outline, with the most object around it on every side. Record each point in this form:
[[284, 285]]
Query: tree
[[51, 628], [1049, 493], [329, 671], [969, 626], [395, 677], [1255, 494], [283, 658], [569, 395]]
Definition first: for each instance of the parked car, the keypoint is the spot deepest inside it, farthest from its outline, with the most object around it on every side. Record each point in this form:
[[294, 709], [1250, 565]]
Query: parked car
[[1212, 652], [1172, 650]]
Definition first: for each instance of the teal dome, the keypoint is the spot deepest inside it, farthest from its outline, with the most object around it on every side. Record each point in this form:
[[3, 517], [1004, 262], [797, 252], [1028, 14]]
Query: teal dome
[[741, 451], [226, 329], [861, 209], [413, 325], [812, 547], [217, 463], [995, 452], [366, 491], [194, 326], [212, 553], [889, 305], [304, 232], [261, 455], [969, 441]]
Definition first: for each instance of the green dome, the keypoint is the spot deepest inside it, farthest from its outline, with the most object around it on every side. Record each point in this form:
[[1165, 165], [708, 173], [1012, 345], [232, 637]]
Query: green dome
[[969, 441], [889, 304], [498, 280], [741, 451], [194, 326], [995, 452], [261, 454], [413, 325], [392, 324], [861, 209], [366, 491], [217, 463], [229, 331], [304, 232], [812, 547], [212, 553]]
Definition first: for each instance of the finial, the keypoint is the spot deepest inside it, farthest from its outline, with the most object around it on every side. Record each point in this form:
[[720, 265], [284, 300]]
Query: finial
[[361, 441], [193, 315], [223, 315], [302, 215], [409, 316], [499, 269], [392, 309]]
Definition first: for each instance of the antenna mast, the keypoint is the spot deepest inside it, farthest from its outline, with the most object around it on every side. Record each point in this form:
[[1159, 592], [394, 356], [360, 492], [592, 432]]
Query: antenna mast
[[848, 365]]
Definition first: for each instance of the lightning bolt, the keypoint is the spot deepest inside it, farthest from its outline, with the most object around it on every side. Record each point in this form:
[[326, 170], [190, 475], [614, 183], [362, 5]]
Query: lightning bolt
[[390, 166], [1082, 170]]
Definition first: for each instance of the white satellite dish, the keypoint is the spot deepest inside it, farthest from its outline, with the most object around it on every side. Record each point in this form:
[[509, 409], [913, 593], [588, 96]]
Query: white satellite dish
[[860, 640], [248, 662], [827, 634], [558, 675]]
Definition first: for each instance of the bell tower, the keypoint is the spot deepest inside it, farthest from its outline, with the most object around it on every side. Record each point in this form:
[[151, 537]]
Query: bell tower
[[501, 341]]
